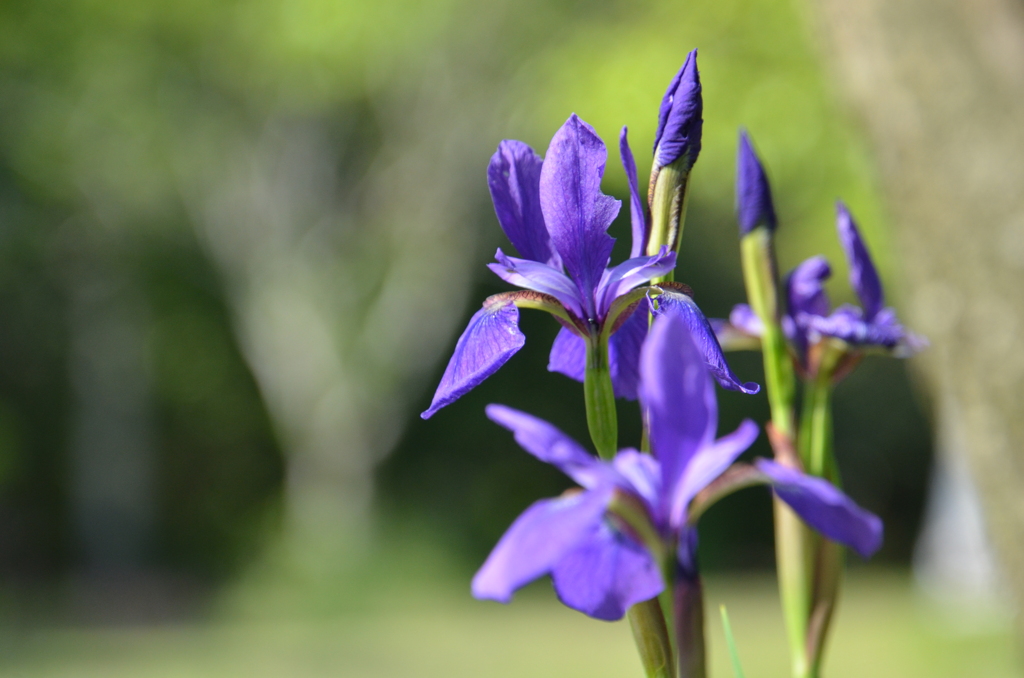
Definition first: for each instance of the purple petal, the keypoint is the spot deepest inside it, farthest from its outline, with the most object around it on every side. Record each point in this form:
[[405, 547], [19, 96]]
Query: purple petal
[[643, 474], [617, 281], [679, 119], [863, 276], [753, 195], [532, 275], [569, 354], [847, 323], [637, 217], [805, 287], [514, 179], [682, 306], [490, 339], [677, 397], [537, 540], [825, 508], [551, 446], [709, 463], [743, 318], [576, 212], [606, 574]]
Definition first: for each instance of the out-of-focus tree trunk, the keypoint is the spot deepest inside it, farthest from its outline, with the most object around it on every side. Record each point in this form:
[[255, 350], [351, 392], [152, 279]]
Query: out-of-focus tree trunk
[[939, 85]]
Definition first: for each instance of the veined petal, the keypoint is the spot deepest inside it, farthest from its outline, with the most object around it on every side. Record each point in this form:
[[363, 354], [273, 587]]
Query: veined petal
[[753, 194], [490, 339], [575, 210], [513, 177], [637, 218], [533, 275], [679, 119], [606, 574], [822, 506], [537, 540], [552, 446], [708, 464], [569, 354], [680, 305], [617, 281], [863, 276], [677, 397]]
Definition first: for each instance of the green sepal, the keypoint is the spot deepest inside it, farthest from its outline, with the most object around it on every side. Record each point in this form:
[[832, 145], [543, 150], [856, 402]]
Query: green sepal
[[668, 197]]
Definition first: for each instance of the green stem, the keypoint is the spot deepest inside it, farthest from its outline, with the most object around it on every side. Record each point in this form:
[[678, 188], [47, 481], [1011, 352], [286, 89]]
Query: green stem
[[599, 396], [818, 457], [652, 638], [760, 275]]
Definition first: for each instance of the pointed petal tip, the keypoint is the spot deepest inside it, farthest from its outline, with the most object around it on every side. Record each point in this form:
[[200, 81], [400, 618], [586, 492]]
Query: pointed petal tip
[[680, 124], [754, 206]]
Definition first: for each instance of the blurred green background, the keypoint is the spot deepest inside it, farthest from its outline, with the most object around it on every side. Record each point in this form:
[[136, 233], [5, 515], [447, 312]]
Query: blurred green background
[[237, 243]]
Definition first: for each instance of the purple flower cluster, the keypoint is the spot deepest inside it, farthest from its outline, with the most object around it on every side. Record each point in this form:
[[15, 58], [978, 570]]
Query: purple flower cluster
[[807, 319]]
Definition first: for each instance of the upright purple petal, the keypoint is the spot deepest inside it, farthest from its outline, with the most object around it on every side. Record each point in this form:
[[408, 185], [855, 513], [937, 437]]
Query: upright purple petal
[[606, 574], [825, 508], [805, 287], [677, 398], [677, 304], [863, 276], [633, 272], [490, 339], [513, 176], [550, 445], [569, 354], [679, 119], [537, 540], [753, 194], [709, 463], [533, 275], [577, 213], [637, 217]]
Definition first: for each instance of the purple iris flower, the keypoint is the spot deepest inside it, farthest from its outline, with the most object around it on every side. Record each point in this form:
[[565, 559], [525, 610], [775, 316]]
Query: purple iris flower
[[555, 215], [807, 319], [606, 546]]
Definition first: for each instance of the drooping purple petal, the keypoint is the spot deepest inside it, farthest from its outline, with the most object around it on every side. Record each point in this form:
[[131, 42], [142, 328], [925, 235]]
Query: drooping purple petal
[[847, 323], [709, 463], [606, 574], [513, 177], [677, 397], [540, 537], [569, 354], [617, 281], [575, 210], [825, 508], [679, 118], [637, 218], [863, 276], [533, 275], [551, 446], [753, 195], [490, 339], [680, 305]]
